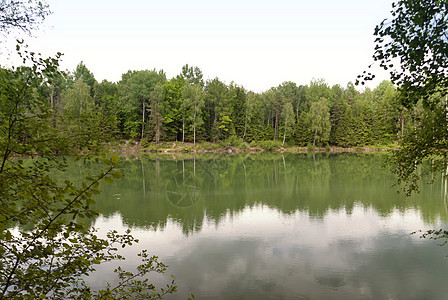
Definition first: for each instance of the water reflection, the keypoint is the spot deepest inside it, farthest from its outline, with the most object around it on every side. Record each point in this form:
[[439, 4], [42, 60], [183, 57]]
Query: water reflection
[[280, 226], [187, 190], [260, 254]]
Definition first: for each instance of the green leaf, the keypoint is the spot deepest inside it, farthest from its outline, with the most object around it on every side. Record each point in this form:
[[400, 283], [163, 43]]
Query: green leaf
[[8, 235], [108, 180], [114, 158], [117, 175]]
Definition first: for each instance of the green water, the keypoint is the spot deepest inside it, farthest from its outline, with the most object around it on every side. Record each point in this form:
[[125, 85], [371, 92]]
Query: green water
[[279, 226]]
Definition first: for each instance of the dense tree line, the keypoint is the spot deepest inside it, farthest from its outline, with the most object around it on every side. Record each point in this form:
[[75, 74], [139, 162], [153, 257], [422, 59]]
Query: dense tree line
[[145, 105]]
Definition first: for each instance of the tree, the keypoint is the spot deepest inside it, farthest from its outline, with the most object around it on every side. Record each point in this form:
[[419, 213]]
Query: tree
[[25, 16], [82, 72], [192, 75], [194, 101], [387, 113], [277, 105], [253, 130], [108, 106], [291, 94], [288, 117], [412, 46], [172, 107], [216, 102], [78, 100], [45, 248], [238, 109], [81, 116], [357, 117], [134, 90], [320, 121], [340, 122], [156, 116], [267, 114]]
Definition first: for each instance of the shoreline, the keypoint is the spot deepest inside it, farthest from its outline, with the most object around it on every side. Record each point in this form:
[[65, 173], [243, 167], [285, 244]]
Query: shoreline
[[179, 147]]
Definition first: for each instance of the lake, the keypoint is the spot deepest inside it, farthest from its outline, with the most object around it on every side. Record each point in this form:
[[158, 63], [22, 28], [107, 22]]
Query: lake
[[278, 226]]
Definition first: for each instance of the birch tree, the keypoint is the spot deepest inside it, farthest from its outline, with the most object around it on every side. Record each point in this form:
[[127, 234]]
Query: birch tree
[[194, 102]]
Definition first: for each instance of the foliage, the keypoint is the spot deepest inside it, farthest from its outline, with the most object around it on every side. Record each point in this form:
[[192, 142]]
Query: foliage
[[234, 141], [320, 122], [208, 146], [77, 100], [427, 141], [135, 89], [412, 46], [22, 15], [84, 74], [216, 93], [433, 234], [45, 246], [156, 107], [194, 101], [172, 111], [144, 106], [288, 115], [238, 110], [192, 75], [226, 128], [269, 145]]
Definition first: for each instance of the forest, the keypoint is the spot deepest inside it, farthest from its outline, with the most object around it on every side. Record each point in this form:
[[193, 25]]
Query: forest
[[147, 107], [45, 114]]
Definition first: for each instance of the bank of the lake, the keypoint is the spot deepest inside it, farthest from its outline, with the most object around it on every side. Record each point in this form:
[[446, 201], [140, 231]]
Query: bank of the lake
[[133, 147]]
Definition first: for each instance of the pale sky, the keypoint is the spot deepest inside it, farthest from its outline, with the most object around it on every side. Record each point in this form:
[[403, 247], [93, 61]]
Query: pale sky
[[257, 44]]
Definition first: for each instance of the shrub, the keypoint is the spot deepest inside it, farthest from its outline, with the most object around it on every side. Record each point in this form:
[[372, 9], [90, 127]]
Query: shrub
[[270, 145]]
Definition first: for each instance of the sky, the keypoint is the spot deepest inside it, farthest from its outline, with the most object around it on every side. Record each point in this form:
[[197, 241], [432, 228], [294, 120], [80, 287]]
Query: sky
[[257, 44]]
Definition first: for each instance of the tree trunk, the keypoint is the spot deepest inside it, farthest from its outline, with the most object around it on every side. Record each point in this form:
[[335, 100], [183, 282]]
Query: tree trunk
[[183, 131], [194, 128], [446, 111], [215, 134], [143, 118], [156, 117], [284, 135], [297, 114], [276, 126], [209, 117], [245, 128]]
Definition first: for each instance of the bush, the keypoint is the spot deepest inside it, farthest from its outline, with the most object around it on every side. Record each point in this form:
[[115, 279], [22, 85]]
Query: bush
[[270, 145], [236, 142], [208, 146], [145, 142]]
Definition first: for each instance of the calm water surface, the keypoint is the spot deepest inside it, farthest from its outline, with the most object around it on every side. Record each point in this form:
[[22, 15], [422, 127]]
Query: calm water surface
[[274, 226]]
